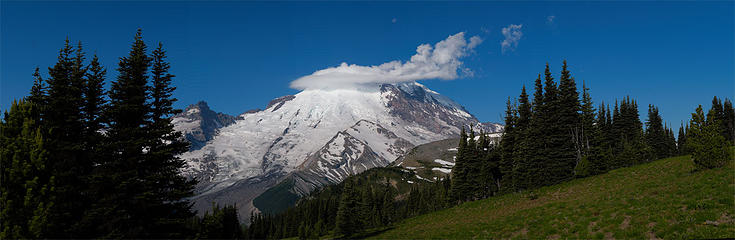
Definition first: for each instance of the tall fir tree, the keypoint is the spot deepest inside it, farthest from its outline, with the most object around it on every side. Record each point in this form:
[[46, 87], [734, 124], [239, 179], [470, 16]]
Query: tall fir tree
[[656, 135], [681, 140], [124, 193], [460, 170], [570, 139], [170, 208], [508, 145], [587, 116], [729, 114], [64, 122], [529, 172]]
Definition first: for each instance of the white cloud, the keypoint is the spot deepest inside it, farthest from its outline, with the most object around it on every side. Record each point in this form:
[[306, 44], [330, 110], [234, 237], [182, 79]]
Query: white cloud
[[440, 61], [550, 19], [512, 35]]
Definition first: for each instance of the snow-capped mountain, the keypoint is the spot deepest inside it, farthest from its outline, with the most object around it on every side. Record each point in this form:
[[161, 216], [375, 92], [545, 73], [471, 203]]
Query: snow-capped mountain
[[199, 123], [323, 136]]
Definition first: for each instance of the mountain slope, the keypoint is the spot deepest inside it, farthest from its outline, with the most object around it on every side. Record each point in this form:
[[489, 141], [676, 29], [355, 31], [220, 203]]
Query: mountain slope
[[324, 135], [199, 123], [614, 205]]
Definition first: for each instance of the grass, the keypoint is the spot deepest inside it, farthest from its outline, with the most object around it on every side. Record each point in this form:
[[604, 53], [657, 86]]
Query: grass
[[662, 199]]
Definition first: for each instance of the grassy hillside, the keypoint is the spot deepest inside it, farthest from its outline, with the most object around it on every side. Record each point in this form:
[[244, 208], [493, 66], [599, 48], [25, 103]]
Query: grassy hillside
[[662, 199]]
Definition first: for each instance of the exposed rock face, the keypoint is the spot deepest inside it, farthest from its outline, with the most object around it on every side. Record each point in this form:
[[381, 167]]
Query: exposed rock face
[[200, 124], [319, 137], [363, 146], [278, 102]]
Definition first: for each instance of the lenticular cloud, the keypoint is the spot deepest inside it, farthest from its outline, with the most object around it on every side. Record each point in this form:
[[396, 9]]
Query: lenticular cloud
[[438, 62]]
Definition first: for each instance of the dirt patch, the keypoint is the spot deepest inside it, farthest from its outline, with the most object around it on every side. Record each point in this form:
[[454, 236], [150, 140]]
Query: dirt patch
[[651, 235], [554, 237], [522, 232], [626, 223], [609, 236], [592, 226], [725, 219]]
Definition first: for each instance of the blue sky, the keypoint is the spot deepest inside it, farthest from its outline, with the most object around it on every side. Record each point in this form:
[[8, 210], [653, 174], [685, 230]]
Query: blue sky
[[239, 55]]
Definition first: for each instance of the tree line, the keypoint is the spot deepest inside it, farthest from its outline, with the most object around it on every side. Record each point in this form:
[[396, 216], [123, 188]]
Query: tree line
[[558, 136], [366, 201], [82, 162]]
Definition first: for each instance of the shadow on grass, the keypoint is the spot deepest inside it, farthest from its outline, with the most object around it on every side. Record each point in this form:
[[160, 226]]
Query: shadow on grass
[[369, 233]]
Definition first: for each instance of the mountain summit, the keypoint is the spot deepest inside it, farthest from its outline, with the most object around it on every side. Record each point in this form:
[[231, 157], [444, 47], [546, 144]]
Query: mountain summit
[[322, 136]]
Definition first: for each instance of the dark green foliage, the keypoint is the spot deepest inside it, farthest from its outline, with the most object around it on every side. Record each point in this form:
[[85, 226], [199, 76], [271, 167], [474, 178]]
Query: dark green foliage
[[460, 184], [375, 198], [518, 165], [221, 223], [681, 141], [656, 136], [560, 136], [705, 140], [729, 121], [508, 146], [80, 168], [348, 215], [277, 199], [63, 120], [27, 189], [569, 138]]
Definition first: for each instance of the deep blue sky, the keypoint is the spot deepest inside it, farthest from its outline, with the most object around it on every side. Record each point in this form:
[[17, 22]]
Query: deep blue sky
[[239, 55]]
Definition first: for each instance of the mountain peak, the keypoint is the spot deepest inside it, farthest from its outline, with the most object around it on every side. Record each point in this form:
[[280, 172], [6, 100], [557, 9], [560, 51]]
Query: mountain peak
[[324, 135]]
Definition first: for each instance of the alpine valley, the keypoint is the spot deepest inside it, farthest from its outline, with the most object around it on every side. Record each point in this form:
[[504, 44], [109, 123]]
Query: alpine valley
[[314, 138]]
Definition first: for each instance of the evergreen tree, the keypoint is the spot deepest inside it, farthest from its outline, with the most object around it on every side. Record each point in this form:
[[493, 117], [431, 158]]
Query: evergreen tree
[[587, 119], [64, 122], [460, 188], [38, 93], [125, 194], [508, 144], [570, 137], [27, 189], [709, 148], [729, 121], [94, 101], [656, 136], [528, 172], [163, 164], [681, 141], [346, 223]]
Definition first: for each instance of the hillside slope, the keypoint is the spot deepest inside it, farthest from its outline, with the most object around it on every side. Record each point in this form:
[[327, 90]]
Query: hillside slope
[[661, 199]]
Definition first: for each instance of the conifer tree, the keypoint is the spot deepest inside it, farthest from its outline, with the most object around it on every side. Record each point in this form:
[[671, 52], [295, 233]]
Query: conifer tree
[[656, 136], [528, 172], [709, 148], [346, 224], [681, 141], [508, 144], [587, 120], [459, 171], [125, 194], [163, 164], [521, 150], [569, 145], [94, 101], [63, 120], [729, 121], [27, 189], [38, 94]]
